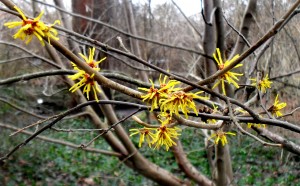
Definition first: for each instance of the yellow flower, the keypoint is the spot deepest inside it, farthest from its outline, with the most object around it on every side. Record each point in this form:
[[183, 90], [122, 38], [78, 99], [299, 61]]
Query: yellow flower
[[165, 135], [229, 77], [165, 118], [86, 80], [213, 121], [256, 125], [220, 136], [180, 101], [51, 32], [262, 84], [153, 94], [166, 88], [276, 107], [30, 27], [144, 132]]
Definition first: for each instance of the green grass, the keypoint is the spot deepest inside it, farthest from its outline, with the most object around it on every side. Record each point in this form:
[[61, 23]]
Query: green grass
[[42, 163]]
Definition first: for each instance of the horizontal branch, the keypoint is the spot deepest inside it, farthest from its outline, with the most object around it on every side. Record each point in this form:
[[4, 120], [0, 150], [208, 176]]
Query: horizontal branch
[[285, 75], [56, 141], [32, 53], [30, 76]]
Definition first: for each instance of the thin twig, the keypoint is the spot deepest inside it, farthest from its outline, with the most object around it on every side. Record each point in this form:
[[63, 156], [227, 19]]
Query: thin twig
[[113, 75], [61, 116], [75, 130], [238, 32], [261, 104], [15, 59], [235, 121], [65, 143], [34, 114], [290, 113], [285, 75], [30, 52], [187, 19], [104, 131]]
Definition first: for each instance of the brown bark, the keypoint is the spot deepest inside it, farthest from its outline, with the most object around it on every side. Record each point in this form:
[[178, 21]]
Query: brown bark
[[245, 27], [209, 39], [224, 175], [186, 166], [286, 144]]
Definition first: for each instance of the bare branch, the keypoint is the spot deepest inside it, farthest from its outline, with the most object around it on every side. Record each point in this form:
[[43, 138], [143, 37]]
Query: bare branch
[[26, 77], [187, 19], [109, 129], [186, 166], [286, 144], [139, 121], [195, 124], [235, 121], [285, 75], [31, 53], [56, 141], [238, 32]]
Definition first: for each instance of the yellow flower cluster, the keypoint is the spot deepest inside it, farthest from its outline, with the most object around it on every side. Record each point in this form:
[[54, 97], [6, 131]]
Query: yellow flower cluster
[[258, 125], [263, 84], [30, 27], [171, 99], [158, 137], [276, 107], [153, 94], [229, 77], [84, 78], [221, 136]]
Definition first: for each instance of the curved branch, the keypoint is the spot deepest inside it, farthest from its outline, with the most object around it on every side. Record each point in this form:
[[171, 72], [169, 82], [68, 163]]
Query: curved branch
[[186, 166], [195, 124], [235, 121]]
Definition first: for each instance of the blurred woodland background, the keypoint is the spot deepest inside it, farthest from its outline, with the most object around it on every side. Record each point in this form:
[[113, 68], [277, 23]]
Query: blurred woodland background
[[163, 36]]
